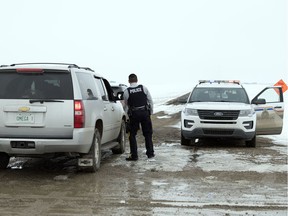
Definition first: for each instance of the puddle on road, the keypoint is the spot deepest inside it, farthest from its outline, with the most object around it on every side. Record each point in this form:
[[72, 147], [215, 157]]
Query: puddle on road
[[173, 157], [169, 157], [221, 160]]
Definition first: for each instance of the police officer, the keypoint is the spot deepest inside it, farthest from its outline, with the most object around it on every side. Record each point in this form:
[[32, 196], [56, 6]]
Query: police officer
[[139, 106]]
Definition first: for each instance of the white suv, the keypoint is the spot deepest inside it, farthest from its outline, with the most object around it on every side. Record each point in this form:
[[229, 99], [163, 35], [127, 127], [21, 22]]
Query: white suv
[[48, 108], [222, 109]]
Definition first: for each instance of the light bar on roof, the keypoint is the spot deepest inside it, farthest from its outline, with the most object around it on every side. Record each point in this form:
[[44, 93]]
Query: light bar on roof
[[220, 81]]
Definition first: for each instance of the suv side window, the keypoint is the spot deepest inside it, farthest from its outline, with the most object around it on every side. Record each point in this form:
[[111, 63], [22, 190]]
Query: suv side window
[[271, 95], [87, 86], [101, 88], [109, 90]]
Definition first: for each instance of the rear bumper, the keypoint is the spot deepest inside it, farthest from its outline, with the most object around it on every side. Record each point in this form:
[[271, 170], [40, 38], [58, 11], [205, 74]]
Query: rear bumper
[[80, 143]]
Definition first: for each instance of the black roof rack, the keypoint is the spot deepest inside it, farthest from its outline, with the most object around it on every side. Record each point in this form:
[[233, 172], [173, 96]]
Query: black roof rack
[[68, 64], [86, 68]]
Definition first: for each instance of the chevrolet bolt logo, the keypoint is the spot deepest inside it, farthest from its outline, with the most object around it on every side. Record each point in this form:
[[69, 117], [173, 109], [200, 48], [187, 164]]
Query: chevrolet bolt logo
[[24, 109], [218, 114]]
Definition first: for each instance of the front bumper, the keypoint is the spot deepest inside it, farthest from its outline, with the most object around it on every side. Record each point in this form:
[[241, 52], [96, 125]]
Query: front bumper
[[241, 128], [218, 133]]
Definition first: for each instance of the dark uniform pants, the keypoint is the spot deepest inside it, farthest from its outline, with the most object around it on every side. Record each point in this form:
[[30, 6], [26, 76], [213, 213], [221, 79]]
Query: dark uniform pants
[[141, 117]]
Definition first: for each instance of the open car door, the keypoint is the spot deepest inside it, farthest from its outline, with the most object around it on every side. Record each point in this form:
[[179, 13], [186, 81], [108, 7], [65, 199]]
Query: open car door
[[269, 108]]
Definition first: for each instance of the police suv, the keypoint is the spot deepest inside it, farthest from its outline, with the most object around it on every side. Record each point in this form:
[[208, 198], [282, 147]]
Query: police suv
[[50, 109], [222, 109]]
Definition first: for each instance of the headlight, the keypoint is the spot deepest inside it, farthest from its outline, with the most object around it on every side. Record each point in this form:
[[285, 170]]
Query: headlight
[[191, 112], [245, 113]]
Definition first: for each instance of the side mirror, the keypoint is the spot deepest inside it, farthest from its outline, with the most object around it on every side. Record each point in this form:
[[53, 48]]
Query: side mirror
[[182, 100], [258, 101], [119, 95], [104, 97]]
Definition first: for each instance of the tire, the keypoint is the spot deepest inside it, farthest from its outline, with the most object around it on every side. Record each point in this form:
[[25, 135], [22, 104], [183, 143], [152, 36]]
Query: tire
[[4, 160], [251, 143], [184, 141], [94, 153], [121, 140]]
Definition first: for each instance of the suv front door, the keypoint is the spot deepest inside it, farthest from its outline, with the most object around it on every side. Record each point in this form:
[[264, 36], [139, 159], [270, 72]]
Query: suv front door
[[111, 118], [269, 108]]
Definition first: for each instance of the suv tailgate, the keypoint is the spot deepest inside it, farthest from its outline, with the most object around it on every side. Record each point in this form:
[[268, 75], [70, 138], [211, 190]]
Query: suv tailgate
[[36, 104]]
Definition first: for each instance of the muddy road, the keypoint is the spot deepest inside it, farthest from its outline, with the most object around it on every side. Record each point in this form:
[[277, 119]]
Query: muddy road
[[209, 178]]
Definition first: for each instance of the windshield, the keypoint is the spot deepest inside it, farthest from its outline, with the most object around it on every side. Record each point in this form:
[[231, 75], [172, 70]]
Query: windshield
[[219, 95]]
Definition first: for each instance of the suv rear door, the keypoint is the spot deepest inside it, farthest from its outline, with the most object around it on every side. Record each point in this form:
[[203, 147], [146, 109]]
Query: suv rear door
[[269, 107], [36, 103]]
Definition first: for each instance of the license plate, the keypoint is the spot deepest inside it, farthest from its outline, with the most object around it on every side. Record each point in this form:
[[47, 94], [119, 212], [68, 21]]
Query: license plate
[[25, 118]]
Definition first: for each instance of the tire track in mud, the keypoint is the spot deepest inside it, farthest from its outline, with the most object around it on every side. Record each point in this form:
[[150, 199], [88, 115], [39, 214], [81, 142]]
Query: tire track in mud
[[57, 204]]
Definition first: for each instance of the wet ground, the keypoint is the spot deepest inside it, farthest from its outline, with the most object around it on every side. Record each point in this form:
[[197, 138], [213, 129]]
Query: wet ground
[[209, 178]]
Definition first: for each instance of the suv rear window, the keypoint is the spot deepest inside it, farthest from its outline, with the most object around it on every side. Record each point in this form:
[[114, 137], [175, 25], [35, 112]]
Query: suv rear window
[[219, 95], [51, 84]]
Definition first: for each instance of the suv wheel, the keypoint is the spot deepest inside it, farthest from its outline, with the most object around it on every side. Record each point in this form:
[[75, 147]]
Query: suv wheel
[[121, 139], [251, 143], [94, 153], [184, 141], [4, 160]]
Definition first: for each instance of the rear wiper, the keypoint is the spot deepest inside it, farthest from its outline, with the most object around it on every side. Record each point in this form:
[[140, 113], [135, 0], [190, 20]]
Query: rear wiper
[[44, 100]]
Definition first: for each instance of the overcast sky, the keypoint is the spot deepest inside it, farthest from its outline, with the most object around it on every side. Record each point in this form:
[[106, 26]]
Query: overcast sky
[[162, 41]]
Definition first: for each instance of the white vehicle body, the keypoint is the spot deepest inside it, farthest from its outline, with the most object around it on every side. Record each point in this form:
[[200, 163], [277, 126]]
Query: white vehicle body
[[58, 108], [222, 109]]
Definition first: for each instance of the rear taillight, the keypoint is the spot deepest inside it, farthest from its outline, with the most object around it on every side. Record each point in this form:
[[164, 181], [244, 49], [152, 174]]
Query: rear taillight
[[79, 114]]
